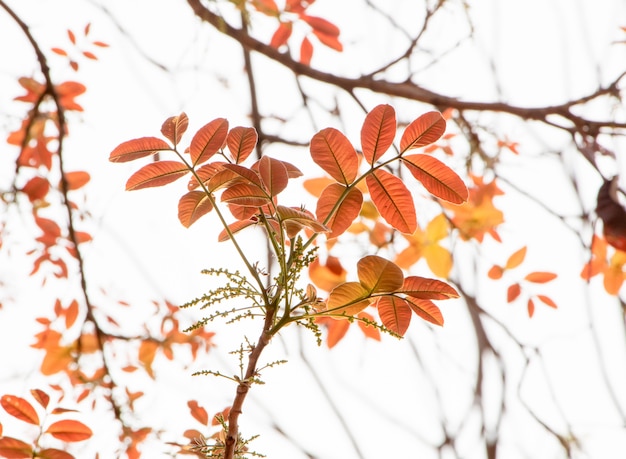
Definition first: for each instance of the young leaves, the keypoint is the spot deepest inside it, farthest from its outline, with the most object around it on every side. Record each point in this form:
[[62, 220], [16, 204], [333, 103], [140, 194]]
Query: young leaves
[[378, 132], [426, 129], [156, 174], [437, 178], [334, 153], [208, 140], [393, 200], [137, 148]]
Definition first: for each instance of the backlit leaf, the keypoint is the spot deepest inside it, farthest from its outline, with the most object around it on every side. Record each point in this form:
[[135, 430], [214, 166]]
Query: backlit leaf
[[315, 186], [337, 329], [243, 194], [368, 330], [174, 127], [69, 430], [437, 178], [334, 153], [42, 398], [301, 217], [12, 448], [156, 174], [531, 307], [348, 298], [393, 200], [192, 206], [540, 277], [241, 142], [427, 289], [495, 272], [234, 173], [331, 41], [205, 173], [147, 352], [379, 275], [516, 259], [395, 313], [346, 212], [19, 408], [322, 25], [425, 130], [138, 148], [234, 228], [306, 51], [273, 174], [209, 139], [378, 132], [426, 309], [281, 34]]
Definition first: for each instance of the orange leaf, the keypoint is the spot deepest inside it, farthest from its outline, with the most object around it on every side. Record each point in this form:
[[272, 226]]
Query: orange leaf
[[531, 307], [322, 25], [348, 298], [393, 200], [327, 276], [53, 453], [281, 35], [19, 408], [147, 352], [69, 430], [368, 330], [379, 275], [513, 292], [427, 289], [234, 173], [156, 174], [174, 127], [301, 217], [329, 40], [315, 186], [306, 51], [59, 51], [42, 398], [547, 300], [208, 140], [76, 179], [12, 448], [437, 178], [235, 228], [198, 412], [334, 153], [36, 188], [426, 129], [426, 309], [495, 272], [516, 259], [540, 277], [137, 148], [241, 142], [395, 313], [205, 173], [192, 206], [71, 313], [273, 174], [346, 211], [378, 132]]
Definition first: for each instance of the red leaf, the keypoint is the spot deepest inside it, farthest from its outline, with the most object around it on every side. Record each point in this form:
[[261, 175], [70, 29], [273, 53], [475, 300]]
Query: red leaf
[[245, 195], [346, 211], [273, 174], [321, 25], [192, 206], [59, 51], [395, 313], [42, 398], [378, 132], [306, 51], [427, 289], [12, 448], [208, 140], [540, 277], [174, 127], [329, 40], [156, 174], [205, 173], [437, 178], [513, 292], [334, 153], [241, 142], [137, 148], [69, 430], [300, 217], [53, 453], [531, 307], [426, 309], [379, 275], [36, 188], [425, 130], [281, 35], [198, 412], [19, 408], [71, 36], [393, 200]]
